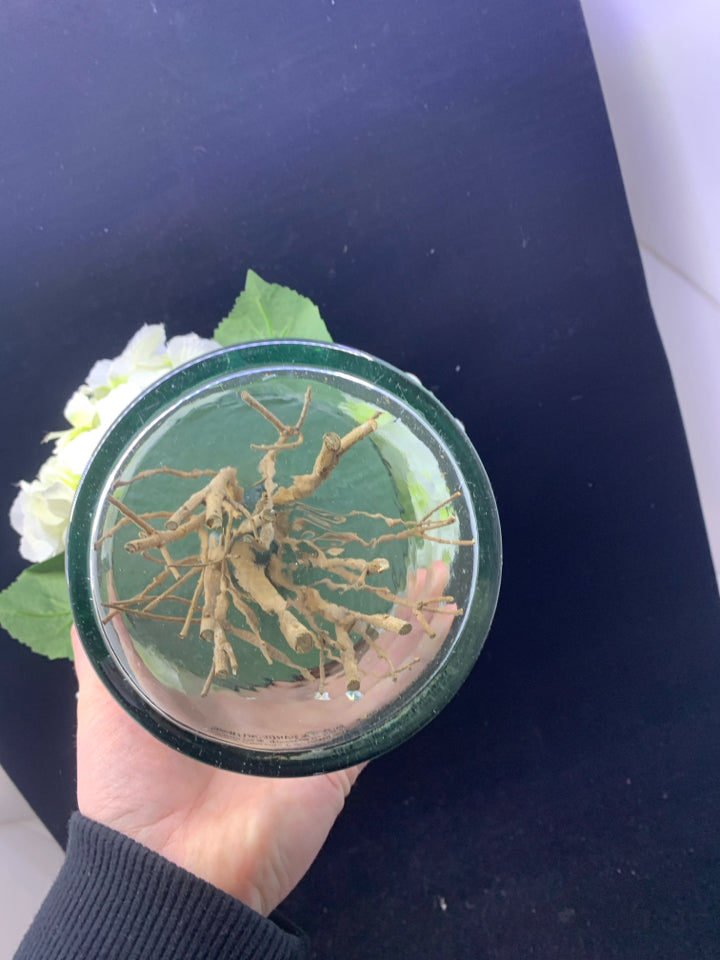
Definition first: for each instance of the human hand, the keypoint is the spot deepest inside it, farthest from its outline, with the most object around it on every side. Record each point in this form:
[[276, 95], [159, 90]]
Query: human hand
[[252, 837]]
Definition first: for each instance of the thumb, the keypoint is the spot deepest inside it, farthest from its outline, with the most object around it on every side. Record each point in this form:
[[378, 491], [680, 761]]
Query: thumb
[[93, 697], [83, 668]]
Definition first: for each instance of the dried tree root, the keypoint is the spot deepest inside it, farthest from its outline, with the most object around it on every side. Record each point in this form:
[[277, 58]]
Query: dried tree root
[[248, 555], [253, 580], [334, 446]]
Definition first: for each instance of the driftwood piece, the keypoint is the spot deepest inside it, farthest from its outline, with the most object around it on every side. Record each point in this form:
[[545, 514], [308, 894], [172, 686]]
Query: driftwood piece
[[249, 558]]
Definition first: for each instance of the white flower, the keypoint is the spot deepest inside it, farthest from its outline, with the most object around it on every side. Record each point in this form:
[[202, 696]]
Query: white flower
[[185, 348], [41, 511], [80, 411]]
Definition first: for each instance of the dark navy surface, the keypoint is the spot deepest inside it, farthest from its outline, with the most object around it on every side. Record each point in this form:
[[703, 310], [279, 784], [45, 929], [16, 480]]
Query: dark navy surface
[[440, 178]]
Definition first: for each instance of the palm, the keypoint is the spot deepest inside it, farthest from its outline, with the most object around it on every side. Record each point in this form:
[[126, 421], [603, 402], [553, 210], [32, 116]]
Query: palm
[[253, 837]]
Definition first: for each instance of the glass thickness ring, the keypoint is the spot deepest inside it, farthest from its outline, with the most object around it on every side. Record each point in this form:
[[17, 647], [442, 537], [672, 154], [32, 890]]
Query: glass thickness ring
[[338, 596]]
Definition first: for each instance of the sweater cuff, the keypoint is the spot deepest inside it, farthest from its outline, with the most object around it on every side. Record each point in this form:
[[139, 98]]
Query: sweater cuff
[[114, 898]]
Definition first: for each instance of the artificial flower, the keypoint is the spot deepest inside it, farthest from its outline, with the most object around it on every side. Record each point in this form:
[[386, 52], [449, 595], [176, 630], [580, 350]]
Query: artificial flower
[[41, 510]]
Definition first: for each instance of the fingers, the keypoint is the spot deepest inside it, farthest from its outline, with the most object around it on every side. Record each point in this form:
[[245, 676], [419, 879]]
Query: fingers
[[344, 780], [438, 574]]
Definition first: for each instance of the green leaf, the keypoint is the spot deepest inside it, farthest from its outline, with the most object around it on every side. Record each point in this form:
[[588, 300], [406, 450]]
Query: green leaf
[[35, 609], [268, 311]]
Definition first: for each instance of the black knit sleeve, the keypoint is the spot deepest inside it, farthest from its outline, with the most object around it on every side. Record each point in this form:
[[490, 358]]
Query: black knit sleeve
[[114, 898]]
